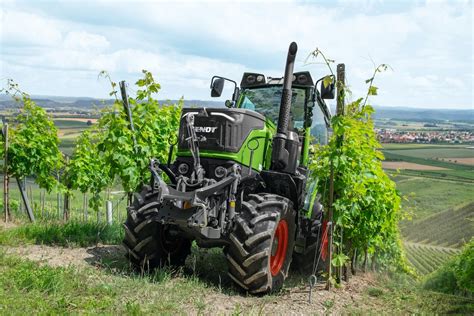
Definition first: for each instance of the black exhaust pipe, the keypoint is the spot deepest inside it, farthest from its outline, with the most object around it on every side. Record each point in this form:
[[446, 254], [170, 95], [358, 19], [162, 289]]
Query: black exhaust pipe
[[279, 152]]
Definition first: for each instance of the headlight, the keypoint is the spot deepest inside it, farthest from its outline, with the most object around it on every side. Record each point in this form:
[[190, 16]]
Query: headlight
[[183, 168], [220, 172]]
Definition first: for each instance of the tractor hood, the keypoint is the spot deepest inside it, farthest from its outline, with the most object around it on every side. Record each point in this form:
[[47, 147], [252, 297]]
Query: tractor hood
[[220, 129]]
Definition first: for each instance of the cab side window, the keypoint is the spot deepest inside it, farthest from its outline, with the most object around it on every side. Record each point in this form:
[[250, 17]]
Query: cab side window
[[319, 131]]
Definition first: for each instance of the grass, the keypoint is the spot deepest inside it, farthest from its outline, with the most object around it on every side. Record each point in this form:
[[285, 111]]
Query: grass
[[202, 287], [28, 288], [400, 294], [32, 288], [69, 234]]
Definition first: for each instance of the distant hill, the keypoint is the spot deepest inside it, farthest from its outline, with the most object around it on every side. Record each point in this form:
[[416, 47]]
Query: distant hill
[[51, 102], [391, 113], [424, 115]]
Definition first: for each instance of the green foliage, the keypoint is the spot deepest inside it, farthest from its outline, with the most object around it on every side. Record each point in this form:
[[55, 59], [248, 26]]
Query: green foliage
[[108, 151], [457, 275], [339, 259], [155, 127], [373, 90], [328, 80], [367, 204], [87, 170], [69, 234], [33, 142]]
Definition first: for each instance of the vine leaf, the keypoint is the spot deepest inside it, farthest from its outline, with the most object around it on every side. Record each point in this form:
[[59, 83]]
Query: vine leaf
[[373, 90], [327, 81]]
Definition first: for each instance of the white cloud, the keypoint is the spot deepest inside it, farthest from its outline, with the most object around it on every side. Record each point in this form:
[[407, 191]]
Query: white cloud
[[28, 29], [84, 41], [429, 45]]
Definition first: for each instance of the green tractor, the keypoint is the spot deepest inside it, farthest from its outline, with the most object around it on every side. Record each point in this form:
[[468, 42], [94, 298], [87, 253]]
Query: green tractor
[[240, 181]]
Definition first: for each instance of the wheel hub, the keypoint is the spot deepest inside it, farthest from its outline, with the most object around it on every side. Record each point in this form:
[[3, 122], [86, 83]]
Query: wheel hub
[[279, 247]]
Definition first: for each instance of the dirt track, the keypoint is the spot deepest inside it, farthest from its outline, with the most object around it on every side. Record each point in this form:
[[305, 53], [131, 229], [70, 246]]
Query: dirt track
[[293, 301]]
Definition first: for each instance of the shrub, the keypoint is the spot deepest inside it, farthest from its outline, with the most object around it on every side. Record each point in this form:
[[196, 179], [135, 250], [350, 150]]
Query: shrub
[[456, 276]]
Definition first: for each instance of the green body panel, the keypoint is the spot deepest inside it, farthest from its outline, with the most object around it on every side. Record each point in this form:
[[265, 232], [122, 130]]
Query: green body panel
[[305, 149], [310, 199], [258, 140]]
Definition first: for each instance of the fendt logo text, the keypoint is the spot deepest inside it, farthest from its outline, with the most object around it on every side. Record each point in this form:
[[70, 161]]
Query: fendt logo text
[[205, 129]]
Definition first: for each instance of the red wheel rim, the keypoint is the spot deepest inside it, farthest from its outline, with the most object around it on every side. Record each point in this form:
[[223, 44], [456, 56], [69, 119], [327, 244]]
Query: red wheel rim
[[279, 247]]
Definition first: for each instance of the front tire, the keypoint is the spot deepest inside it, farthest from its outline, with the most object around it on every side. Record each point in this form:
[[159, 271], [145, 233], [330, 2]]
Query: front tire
[[262, 242], [148, 243]]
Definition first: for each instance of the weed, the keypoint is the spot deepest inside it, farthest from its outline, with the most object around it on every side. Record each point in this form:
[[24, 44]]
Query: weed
[[328, 304], [132, 308], [374, 291]]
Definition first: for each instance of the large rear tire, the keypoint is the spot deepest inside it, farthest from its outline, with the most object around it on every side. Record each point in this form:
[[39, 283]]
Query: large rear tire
[[148, 243], [261, 244], [316, 257]]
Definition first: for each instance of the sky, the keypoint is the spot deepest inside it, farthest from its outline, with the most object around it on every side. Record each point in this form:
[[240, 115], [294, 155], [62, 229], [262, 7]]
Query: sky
[[59, 47]]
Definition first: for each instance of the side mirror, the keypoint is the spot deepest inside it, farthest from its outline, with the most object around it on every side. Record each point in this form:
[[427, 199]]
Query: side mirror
[[217, 87], [328, 89]]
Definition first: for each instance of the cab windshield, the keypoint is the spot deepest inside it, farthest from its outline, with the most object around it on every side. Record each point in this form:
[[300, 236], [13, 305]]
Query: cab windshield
[[266, 101]]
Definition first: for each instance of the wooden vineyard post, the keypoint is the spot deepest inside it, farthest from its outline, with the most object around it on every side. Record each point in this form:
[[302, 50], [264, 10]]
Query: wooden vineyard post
[[341, 69], [329, 226], [341, 78], [58, 196], [42, 202], [5, 173], [67, 197], [66, 206], [108, 212], [341, 85], [24, 197], [31, 198], [84, 206]]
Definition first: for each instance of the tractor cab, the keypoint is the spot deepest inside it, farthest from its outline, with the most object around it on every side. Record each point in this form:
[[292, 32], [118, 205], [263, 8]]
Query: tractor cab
[[309, 115]]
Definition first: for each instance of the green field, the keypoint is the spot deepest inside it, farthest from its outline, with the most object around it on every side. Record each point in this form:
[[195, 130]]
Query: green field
[[69, 130], [442, 156], [62, 123], [426, 259], [428, 196], [400, 155], [450, 228], [409, 146], [439, 204], [437, 152]]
